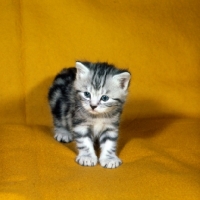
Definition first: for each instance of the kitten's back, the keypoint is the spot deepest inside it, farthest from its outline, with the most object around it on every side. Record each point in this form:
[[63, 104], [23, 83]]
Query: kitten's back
[[61, 92]]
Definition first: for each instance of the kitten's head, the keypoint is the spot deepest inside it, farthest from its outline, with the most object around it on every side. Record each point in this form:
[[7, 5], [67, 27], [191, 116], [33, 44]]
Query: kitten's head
[[101, 87]]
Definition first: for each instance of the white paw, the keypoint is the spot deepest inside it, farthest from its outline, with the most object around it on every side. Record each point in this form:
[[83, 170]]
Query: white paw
[[86, 160], [110, 162], [62, 135]]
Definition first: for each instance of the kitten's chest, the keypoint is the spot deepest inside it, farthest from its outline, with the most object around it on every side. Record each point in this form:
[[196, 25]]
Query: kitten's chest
[[99, 125]]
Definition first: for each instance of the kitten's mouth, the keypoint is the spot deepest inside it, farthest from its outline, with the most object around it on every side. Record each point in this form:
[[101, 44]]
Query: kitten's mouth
[[93, 112]]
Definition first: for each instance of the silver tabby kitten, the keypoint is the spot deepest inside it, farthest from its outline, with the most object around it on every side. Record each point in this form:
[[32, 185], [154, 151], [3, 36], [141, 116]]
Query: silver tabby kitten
[[86, 103]]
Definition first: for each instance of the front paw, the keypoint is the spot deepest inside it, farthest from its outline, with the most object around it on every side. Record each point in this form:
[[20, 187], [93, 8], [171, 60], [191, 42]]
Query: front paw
[[110, 162], [86, 160]]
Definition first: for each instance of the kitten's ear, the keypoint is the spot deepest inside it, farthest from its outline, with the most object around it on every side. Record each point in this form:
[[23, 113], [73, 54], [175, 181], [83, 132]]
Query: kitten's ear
[[82, 70], [122, 80]]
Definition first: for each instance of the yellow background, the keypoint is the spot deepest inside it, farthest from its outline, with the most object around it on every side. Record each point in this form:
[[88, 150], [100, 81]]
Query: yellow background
[[158, 41]]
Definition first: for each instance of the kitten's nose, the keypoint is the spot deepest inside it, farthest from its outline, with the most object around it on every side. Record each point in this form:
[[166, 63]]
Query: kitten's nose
[[93, 107]]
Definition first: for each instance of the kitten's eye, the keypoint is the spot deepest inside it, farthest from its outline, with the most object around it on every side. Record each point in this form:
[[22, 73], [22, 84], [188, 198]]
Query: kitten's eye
[[87, 94], [104, 98]]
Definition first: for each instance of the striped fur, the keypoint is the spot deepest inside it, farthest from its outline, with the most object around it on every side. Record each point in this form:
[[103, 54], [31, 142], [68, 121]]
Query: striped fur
[[86, 102]]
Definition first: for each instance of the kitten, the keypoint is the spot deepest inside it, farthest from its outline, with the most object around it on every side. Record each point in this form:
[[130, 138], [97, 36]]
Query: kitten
[[86, 103]]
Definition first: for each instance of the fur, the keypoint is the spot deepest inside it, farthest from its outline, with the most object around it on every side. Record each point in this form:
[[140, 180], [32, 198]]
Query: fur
[[86, 102]]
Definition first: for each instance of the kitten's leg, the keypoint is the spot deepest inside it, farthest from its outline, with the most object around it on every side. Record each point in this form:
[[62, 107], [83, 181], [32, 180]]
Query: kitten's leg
[[108, 143], [84, 140], [62, 130]]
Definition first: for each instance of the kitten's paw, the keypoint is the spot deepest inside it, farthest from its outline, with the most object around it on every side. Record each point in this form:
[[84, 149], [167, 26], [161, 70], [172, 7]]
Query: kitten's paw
[[110, 162], [62, 135], [86, 160]]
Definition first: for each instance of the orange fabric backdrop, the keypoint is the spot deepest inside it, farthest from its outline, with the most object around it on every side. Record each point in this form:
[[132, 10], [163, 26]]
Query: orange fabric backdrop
[[158, 41]]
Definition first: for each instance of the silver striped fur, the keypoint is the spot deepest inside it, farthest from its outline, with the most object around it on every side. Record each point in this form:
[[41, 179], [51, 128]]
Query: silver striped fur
[[86, 102]]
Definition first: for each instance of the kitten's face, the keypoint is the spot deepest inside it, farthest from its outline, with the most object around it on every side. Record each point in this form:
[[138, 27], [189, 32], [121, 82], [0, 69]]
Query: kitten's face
[[100, 94], [97, 101]]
